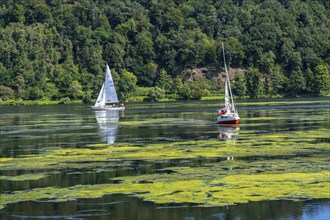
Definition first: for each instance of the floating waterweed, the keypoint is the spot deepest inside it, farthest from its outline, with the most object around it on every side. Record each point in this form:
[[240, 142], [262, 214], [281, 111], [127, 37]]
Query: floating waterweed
[[166, 188], [264, 167], [24, 177], [278, 144]]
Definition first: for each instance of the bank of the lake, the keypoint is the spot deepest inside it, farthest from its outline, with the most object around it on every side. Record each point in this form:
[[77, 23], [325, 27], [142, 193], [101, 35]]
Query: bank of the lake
[[139, 99]]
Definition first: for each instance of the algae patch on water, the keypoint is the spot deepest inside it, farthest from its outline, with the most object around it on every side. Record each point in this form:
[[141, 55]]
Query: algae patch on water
[[174, 188], [24, 177], [267, 145], [283, 165]]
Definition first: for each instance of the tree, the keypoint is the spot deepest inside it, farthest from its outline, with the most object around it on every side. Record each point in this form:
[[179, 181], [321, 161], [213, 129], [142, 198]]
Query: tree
[[6, 93], [145, 47], [276, 81], [177, 84], [253, 83], [297, 83], [164, 46], [155, 94], [126, 84], [34, 93], [240, 85], [147, 74], [322, 79], [310, 81], [51, 91], [193, 90], [234, 52], [165, 81], [267, 62], [75, 90]]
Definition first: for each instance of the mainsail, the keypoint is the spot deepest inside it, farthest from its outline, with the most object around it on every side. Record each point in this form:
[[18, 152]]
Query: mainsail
[[229, 101], [109, 88], [227, 98]]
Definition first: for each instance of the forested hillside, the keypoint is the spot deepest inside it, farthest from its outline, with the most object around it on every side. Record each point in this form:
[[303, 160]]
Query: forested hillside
[[57, 49]]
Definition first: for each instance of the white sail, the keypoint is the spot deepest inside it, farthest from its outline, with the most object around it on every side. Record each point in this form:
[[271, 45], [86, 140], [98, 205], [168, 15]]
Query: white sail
[[109, 90], [227, 98], [100, 99], [231, 105]]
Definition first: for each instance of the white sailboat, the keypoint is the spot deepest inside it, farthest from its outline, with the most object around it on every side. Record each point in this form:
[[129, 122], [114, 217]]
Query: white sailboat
[[107, 99], [228, 114]]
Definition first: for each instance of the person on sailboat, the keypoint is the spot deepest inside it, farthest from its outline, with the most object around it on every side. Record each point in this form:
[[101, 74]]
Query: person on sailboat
[[222, 111]]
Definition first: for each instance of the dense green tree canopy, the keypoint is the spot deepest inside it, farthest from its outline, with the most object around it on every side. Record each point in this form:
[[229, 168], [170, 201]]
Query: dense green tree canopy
[[54, 49]]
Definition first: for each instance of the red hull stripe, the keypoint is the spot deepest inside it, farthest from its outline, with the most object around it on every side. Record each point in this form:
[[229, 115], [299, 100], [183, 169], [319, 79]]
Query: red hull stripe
[[229, 122]]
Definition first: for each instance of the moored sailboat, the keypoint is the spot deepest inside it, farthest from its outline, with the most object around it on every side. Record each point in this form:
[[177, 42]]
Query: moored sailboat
[[228, 114], [107, 98]]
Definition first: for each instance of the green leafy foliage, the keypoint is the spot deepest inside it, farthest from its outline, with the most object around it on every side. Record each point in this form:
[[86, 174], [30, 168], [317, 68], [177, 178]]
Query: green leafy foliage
[[57, 49], [240, 85], [253, 83], [297, 83], [321, 79], [155, 94], [127, 84], [193, 90]]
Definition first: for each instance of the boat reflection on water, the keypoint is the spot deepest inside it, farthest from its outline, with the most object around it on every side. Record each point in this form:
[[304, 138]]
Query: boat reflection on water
[[107, 121], [228, 132]]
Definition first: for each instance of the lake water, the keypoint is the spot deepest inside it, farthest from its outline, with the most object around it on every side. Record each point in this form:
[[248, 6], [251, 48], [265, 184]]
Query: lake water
[[100, 157]]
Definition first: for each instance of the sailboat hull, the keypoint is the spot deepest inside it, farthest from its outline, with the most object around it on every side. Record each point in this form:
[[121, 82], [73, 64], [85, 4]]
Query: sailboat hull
[[233, 121], [110, 108], [228, 119]]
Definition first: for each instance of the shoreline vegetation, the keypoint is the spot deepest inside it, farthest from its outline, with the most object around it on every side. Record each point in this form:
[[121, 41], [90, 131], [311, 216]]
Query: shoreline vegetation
[[68, 101]]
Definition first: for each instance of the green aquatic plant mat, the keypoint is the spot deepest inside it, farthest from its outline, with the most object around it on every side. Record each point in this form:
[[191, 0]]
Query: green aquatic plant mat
[[24, 177], [265, 145], [175, 188], [284, 165]]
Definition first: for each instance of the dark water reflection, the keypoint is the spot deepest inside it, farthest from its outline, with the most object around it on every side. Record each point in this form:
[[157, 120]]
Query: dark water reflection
[[30, 130], [125, 207]]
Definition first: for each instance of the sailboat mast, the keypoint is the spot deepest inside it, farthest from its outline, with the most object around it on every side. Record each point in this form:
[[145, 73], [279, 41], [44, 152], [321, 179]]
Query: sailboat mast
[[227, 78]]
